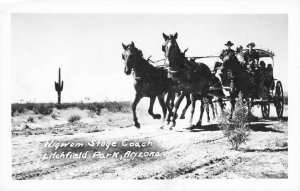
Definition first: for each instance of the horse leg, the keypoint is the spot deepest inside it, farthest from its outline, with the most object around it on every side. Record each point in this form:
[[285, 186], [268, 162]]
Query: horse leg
[[232, 102], [207, 104], [164, 108], [150, 110], [221, 105], [213, 108], [188, 103], [202, 111], [177, 104], [251, 117], [193, 100], [168, 105], [172, 101], [133, 107]]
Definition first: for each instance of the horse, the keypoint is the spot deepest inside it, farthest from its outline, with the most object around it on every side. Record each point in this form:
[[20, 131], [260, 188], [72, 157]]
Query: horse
[[234, 75], [192, 78], [149, 81]]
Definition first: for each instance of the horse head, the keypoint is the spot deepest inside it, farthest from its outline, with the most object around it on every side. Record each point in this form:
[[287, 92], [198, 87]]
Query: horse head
[[230, 62], [131, 56], [171, 49]]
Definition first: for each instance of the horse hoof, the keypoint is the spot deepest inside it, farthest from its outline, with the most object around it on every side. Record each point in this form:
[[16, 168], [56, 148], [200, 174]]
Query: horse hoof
[[190, 126], [182, 117], [162, 127], [157, 116], [199, 124], [137, 125], [172, 125]]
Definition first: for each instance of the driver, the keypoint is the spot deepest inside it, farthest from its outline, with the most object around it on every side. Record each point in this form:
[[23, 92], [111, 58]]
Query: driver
[[218, 65], [227, 51]]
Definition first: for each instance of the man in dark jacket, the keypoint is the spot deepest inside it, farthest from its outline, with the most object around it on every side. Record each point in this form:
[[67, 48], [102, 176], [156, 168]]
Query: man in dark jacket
[[228, 51]]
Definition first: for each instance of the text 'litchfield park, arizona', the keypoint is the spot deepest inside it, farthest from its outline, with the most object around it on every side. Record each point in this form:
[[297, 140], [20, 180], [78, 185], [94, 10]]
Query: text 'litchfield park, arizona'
[[99, 149]]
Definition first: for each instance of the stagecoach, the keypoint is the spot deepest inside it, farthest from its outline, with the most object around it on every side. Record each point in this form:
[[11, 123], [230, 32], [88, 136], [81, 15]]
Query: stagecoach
[[267, 95], [274, 96], [189, 77]]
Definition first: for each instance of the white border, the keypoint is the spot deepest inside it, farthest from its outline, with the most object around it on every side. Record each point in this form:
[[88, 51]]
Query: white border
[[292, 8]]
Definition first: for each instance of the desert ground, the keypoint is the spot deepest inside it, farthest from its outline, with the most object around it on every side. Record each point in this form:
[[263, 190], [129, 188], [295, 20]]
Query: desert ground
[[199, 153]]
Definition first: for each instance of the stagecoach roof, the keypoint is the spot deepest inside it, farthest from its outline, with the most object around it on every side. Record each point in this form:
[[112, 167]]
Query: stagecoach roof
[[264, 53], [261, 53]]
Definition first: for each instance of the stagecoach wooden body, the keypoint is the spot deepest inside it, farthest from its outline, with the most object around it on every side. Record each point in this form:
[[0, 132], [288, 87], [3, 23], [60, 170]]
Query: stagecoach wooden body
[[267, 95]]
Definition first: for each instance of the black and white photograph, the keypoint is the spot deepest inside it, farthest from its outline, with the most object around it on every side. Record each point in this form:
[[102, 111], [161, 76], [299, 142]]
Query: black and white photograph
[[149, 96]]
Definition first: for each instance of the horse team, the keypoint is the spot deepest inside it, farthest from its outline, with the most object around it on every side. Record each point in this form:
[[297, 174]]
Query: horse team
[[183, 77]]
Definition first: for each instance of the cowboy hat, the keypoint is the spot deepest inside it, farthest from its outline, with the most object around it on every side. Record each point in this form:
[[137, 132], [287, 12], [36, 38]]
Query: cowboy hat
[[252, 44], [229, 43]]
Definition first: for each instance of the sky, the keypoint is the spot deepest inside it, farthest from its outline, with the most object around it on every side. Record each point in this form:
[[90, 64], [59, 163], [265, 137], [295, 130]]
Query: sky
[[88, 48]]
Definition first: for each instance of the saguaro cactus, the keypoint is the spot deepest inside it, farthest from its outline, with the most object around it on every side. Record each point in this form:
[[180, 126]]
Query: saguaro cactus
[[59, 87]]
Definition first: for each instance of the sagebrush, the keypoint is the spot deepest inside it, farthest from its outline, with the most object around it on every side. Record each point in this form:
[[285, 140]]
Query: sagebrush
[[74, 118], [47, 108], [237, 129]]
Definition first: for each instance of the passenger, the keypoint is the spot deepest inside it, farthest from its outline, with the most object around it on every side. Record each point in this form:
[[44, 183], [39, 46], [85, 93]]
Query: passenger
[[269, 76], [251, 57], [261, 78]]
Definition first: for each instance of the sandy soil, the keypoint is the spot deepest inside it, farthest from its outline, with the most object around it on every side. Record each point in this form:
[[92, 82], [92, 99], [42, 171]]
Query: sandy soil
[[182, 153]]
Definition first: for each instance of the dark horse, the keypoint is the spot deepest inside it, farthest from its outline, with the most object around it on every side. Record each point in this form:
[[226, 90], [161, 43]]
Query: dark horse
[[190, 78], [234, 75], [149, 81]]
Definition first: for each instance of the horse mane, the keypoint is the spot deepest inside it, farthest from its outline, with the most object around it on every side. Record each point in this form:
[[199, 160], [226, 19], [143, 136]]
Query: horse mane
[[147, 70]]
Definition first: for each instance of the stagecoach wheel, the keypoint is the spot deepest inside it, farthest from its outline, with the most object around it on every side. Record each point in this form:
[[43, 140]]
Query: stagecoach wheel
[[278, 99], [265, 105]]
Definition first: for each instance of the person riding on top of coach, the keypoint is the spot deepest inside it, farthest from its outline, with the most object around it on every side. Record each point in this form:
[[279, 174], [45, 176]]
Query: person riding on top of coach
[[251, 57], [227, 51]]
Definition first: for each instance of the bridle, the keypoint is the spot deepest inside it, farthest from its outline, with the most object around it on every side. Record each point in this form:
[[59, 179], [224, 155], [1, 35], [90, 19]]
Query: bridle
[[131, 51]]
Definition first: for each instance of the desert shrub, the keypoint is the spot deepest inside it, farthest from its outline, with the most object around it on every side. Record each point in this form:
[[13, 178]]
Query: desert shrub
[[30, 119], [81, 105], [66, 105], [69, 132], [95, 107], [29, 105], [21, 107], [74, 118], [54, 116], [44, 109], [40, 117], [17, 107], [117, 106], [237, 129], [91, 114]]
